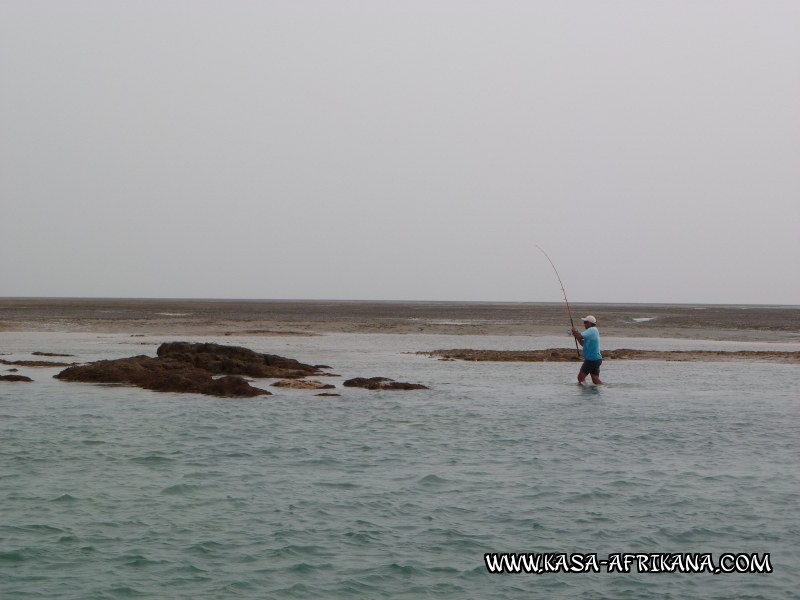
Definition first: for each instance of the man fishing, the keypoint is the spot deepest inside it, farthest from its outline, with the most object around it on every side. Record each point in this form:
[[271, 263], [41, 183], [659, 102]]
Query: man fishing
[[590, 342]]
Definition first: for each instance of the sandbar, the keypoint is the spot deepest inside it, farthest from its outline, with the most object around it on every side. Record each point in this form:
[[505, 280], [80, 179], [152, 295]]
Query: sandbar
[[745, 323]]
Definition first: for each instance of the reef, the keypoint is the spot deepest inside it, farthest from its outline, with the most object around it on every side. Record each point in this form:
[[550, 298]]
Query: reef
[[382, 383], [211, 369], [571, 355], [15, 378]]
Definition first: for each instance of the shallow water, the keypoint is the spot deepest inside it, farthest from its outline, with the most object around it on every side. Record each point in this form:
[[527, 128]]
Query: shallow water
[[112, 492]]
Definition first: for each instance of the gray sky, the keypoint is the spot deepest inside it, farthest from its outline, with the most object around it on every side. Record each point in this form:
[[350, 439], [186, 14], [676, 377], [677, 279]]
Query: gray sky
[[401, 150]]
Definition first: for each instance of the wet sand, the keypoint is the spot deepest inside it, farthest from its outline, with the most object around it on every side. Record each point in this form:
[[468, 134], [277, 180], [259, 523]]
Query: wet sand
[[263, 318]]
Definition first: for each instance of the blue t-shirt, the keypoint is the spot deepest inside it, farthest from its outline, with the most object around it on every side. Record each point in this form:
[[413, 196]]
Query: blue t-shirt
[[591, 344]]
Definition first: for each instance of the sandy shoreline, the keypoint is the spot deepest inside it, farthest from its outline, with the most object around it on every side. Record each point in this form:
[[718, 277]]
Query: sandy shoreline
[[265, 318]]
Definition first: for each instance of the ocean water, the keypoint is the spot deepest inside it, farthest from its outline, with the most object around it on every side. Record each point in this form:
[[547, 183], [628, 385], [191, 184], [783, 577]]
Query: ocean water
[[116, 492]]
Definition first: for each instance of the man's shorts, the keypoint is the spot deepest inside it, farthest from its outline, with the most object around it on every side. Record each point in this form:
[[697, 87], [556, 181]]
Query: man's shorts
[[591, 367]]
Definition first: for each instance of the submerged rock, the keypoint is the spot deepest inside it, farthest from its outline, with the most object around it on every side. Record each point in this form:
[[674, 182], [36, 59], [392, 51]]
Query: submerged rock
[[35, 363], [548, 355], [299, 384], [382, 383], [20, 378], [570, 355], [192, 368]]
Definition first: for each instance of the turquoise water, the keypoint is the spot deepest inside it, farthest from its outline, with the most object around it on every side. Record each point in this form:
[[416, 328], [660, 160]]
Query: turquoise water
[[112, 492]]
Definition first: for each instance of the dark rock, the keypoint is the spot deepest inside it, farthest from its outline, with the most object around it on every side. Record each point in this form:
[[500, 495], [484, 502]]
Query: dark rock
[[50, 354], [548, 355], [329, 395], [35, 363], [382, 383], [161, 376], [233, 386], [363, 382], [570, 355], [191, 368], [235, 360], [15, 378], [300, 384]]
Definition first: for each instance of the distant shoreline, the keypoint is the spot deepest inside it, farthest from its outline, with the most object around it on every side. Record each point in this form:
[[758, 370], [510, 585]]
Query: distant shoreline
[[312, 317], [147, 299]]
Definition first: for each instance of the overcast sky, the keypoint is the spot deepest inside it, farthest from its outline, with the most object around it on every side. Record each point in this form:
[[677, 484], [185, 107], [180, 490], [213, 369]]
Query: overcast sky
[[406, 149]]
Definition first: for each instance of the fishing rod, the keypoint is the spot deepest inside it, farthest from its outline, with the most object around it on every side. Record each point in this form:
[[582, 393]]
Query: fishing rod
[[563, 291]]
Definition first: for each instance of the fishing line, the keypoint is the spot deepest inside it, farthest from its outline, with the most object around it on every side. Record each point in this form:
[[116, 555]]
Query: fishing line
[[563, 291]]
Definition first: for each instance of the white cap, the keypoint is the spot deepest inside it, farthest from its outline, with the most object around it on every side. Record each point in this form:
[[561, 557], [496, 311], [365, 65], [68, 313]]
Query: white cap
[[589, 319]]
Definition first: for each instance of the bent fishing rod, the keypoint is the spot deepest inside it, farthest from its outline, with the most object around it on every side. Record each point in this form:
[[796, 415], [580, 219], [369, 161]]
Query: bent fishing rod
[[563, 291]]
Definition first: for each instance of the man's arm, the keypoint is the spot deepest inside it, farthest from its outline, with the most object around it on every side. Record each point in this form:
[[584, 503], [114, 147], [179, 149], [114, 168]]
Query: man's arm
[[578, 336]]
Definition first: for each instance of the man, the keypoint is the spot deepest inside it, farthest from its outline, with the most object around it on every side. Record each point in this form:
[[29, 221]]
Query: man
[[592, 359]]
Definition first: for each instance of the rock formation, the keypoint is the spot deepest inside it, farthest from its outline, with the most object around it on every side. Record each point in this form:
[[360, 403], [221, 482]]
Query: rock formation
[[382, 383], [235, 360], [216, 370], [192, 368], [570, 355], [21, 378], [300, 384], [34, 363]]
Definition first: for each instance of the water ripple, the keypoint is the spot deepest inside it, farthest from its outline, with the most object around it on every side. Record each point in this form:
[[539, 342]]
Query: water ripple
[[116, 492]]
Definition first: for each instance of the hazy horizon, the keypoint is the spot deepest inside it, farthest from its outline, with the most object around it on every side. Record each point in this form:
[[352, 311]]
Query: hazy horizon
[[387, 301], [373, 151]]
